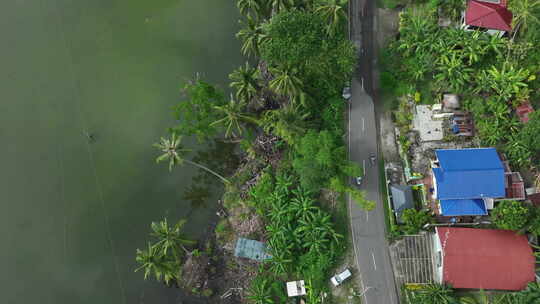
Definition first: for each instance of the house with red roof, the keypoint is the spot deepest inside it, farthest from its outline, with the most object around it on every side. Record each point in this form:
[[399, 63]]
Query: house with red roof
[[472, 258], [491, 16]]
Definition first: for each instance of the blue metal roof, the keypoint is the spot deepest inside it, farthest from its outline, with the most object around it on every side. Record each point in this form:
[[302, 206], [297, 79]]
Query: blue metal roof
[[469, 174], [461, 207]]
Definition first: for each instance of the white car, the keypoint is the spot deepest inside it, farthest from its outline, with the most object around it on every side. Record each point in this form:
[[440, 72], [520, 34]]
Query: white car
[[340, 277]]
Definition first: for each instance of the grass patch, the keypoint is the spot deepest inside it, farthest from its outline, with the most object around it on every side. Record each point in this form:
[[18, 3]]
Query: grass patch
[[388, 214]]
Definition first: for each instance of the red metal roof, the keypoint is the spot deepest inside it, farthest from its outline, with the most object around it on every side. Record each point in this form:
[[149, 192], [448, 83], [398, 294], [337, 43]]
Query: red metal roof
[[488, 15], [486, 258], [535, 199], [523, 111]]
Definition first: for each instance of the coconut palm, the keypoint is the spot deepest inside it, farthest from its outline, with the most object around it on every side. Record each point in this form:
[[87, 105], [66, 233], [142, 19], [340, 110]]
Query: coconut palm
[[256, 8], [281, 5], [170, 239], [173, 151], [434, 294], [286, 81], [333, 11], [233, 116], [244, 80], [251, 35], [288, 123], [525, 13], [259, 292], [154, 262]]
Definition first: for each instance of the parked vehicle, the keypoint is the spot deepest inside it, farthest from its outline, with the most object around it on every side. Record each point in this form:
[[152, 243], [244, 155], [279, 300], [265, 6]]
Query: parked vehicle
[[340, 277], [346, 93], [372, 159], [359, 180]]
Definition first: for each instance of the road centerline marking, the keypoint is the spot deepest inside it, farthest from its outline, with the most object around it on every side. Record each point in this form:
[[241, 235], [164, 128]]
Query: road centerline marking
[[374, 263]]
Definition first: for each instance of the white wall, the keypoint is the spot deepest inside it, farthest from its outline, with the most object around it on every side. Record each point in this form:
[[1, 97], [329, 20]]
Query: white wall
[[437, 263]]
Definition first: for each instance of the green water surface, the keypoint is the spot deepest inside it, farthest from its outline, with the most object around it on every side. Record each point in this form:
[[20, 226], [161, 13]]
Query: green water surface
[[73, 212]]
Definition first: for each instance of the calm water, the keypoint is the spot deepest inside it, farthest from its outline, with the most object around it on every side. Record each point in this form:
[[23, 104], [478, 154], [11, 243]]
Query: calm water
[[73, 212]]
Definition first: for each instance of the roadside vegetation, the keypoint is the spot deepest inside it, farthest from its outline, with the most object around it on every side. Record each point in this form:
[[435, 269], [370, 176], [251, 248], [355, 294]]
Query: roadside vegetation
[[440, 294], [286, 117]]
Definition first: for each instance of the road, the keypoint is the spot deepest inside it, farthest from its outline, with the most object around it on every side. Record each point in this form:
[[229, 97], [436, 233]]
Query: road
[[367, 228]]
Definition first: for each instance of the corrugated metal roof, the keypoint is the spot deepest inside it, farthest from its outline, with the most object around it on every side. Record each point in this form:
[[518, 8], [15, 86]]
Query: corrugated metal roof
[[251, 249], [402, 199], [469, 174], [463, 207], [488, 15], [486, 258]]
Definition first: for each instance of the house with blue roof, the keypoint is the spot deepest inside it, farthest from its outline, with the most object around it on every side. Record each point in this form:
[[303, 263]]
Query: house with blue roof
[[467, 181]]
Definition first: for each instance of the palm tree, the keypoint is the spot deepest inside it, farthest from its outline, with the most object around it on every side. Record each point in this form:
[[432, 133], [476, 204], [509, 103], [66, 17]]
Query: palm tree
[[232, 117], [524, 13], [288, 123], [281, 5], [434, 294], [251, 35], [173, 152], [244, 80], [333, 11], [170, 238], [260, 292], [153, 262], [286, 81], [258, 8]]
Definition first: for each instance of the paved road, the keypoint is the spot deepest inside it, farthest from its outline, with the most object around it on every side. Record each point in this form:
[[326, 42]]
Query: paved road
[[368, 228]]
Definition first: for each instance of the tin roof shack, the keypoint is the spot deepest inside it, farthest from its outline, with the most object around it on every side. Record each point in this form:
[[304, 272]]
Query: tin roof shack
[[250, 249], [402, 198]]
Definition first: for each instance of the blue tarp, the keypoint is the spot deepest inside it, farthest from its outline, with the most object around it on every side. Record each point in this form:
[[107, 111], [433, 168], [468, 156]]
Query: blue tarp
[[469, 174], [462, 207]]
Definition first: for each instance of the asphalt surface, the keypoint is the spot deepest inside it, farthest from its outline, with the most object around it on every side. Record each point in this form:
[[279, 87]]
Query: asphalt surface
[[368, 228]]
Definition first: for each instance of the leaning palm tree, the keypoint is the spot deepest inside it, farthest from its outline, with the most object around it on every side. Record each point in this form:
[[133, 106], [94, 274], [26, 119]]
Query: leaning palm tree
[[154, 262], [525, 13], [233, 116], [173, 151], [170, 239], [244, 80], [286, 82], [251, 35], [333, 11]]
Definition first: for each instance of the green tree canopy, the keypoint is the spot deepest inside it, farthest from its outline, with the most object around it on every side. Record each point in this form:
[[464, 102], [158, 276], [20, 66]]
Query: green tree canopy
[[299, 39], [510, 215], [414, 220], [318, 157], [196, 114]]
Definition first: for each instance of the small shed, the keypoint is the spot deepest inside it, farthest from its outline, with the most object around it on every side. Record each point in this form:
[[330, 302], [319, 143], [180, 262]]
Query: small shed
[[523, 112], [402, 199], [251, 249], [296, 288], [450, 102]]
